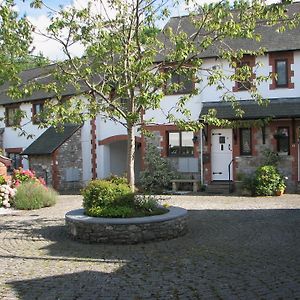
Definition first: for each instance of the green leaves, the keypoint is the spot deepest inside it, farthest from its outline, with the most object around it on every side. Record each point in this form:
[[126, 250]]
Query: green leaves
[[15, 41]]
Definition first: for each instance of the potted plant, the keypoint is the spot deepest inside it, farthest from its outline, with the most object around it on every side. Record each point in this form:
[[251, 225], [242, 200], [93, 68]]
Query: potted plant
[[280, 188]]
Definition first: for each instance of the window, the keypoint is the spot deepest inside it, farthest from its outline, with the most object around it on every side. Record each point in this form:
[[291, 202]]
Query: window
[[281, 66], [181, 143], [245, 141], [244, 73], [16, 161], [244, 69], [283, 142], [186, 85], [12, 115], [37, 109]]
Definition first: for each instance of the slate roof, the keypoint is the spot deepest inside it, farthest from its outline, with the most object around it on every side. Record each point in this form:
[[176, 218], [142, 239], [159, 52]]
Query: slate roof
[[50, 140], [277, 108], [41, 75], [270, 39]]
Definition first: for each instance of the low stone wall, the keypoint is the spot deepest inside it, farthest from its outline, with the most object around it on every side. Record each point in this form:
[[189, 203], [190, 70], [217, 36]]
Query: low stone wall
[[126, 230]]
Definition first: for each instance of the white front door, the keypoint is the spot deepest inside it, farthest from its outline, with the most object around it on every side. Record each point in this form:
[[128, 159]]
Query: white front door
[[221, 153]]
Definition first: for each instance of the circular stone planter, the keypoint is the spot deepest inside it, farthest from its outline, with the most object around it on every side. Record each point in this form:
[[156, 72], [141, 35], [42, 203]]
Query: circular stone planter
[[126, 230]]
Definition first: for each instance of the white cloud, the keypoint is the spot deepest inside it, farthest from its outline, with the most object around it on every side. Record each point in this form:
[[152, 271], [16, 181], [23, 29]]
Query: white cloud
[[52, 48], [47, 46]]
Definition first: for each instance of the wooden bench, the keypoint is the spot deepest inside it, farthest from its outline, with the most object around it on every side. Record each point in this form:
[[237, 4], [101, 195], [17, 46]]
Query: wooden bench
[[176, 182]]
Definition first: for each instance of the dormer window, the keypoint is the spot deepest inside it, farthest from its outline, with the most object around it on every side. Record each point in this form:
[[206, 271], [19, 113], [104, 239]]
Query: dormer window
[[281, 66], [37, 109], [12, 115], [244, 73], [178, 83], [282, 73]]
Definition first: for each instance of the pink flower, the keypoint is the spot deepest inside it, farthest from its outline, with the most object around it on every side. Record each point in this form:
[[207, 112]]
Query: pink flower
[[42, 181]]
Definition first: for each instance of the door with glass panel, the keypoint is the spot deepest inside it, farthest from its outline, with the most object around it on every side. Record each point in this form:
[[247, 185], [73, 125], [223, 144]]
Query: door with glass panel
[[221, 153]]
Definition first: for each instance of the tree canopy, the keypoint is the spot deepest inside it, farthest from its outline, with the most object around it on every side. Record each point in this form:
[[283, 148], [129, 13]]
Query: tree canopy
[[15, 42]]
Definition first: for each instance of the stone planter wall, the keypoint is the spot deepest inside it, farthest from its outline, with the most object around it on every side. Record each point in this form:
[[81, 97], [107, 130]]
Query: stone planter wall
[[126, 231]]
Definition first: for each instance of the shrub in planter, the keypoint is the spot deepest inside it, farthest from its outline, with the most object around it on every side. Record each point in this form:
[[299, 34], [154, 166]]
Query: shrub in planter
[[32, 195], [102, 198], [117, 180], [267, 181], [100, 193]]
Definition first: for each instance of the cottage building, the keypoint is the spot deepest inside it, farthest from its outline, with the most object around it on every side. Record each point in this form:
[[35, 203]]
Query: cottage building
[[97, 148]]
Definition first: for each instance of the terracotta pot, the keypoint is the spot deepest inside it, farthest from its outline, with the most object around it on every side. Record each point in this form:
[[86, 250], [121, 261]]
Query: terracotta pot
[[279, 193]]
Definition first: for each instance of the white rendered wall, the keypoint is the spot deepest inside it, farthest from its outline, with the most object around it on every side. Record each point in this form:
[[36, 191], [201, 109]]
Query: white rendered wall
[[12, 138], [118, 158], [86, 151], [103, 155], [169, 105], [108, 128], [211, 94]]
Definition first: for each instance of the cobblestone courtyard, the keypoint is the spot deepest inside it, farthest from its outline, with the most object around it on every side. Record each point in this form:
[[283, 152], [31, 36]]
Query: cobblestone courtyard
[[236, 248]]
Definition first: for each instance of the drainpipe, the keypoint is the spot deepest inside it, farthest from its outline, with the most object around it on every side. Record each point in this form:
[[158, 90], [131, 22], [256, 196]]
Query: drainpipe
[[298, 158], [201, 158]]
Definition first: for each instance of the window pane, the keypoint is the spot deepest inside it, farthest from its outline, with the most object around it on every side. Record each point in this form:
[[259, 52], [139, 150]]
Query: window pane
[[245, 141], [281, 69], [16, 161], [12, 118], [283, 140], [37, 111], [187, 145], [174, 143], [38, 108], [244, 73], [186, 84]]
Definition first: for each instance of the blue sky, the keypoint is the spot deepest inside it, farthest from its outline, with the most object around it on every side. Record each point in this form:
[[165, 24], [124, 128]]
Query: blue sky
[[24, 7]]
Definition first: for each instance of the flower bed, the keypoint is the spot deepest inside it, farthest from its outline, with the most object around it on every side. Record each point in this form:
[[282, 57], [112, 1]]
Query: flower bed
[[25, 191], [6, 195]]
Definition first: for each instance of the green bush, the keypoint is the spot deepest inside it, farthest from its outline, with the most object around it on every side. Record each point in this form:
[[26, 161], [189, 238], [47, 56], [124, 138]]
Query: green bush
[[267, 181], [158, 172], [32, 195], [102, 198], [112, 212], [117, 180], [102, 193]]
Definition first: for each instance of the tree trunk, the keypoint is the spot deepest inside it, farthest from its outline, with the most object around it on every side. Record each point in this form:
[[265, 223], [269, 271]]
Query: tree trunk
[[131, 155]]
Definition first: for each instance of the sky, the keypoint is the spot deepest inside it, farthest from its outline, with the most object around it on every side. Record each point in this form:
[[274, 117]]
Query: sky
[[40, 18]]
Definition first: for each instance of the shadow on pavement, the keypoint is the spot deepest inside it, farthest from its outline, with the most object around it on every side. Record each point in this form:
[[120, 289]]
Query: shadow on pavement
[[247, 254]]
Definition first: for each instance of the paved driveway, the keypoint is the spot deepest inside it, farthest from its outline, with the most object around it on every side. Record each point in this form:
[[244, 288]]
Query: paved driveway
[[236, 248]]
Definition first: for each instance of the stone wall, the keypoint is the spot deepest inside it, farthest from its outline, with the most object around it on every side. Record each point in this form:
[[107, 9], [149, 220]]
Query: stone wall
[[69, 165], [126, 231], [66, 175], [1, 137], [42, 166]]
